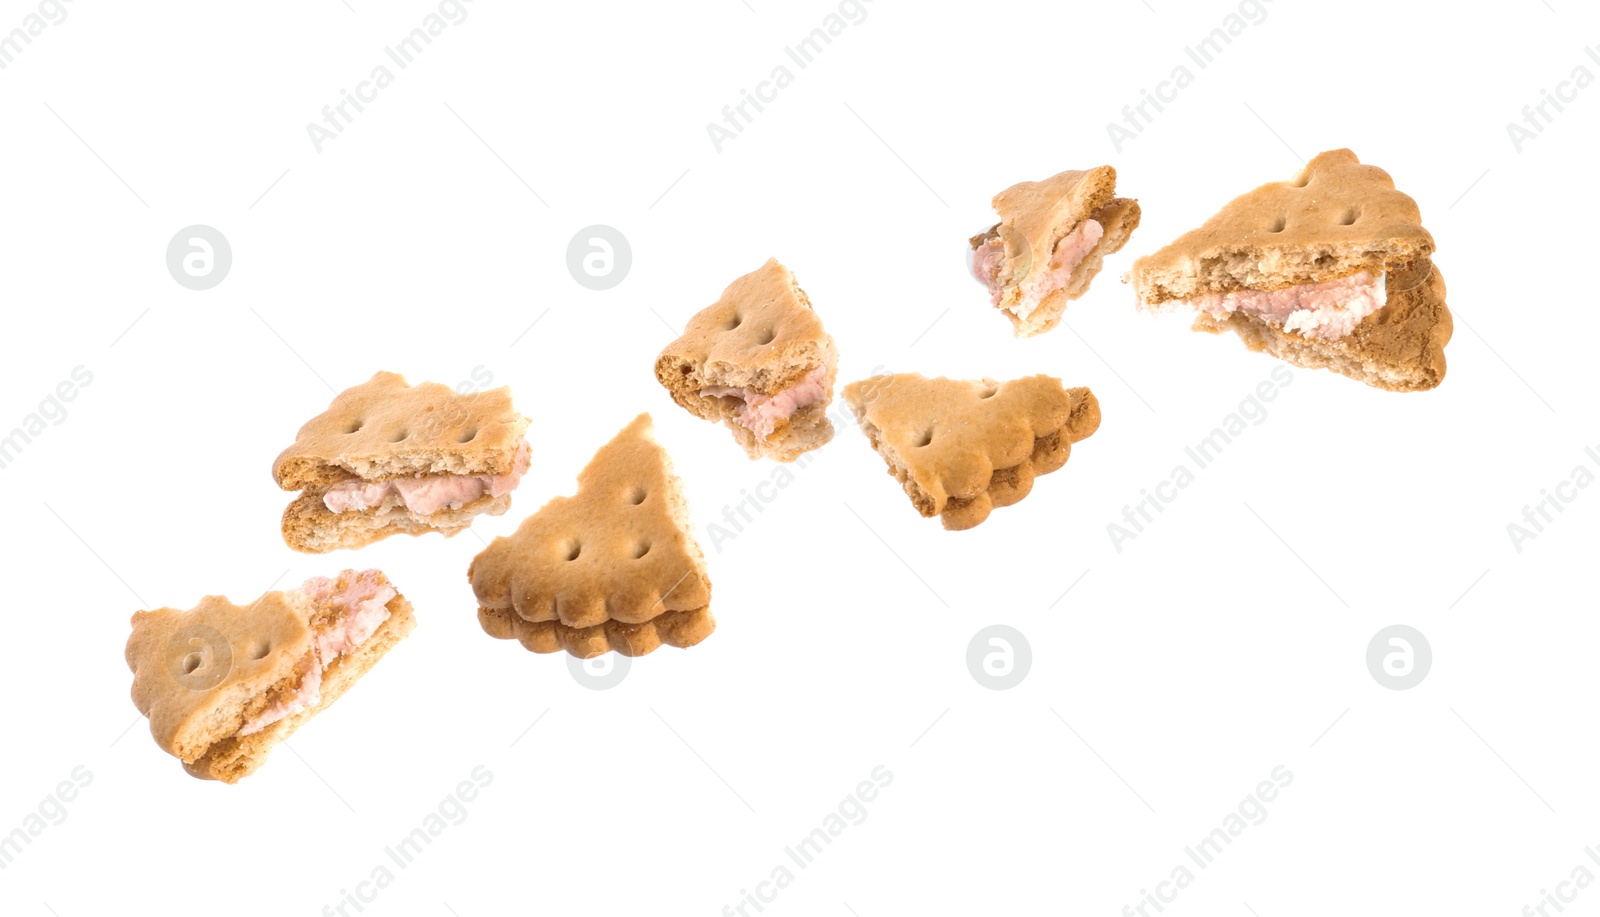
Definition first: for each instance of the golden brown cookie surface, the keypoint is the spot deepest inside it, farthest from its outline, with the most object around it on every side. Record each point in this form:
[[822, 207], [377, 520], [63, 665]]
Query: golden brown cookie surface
[[619, 551], [761, 336], [1034, 218], [386, 428], [201, 675], [1336, 218], [962, 447]]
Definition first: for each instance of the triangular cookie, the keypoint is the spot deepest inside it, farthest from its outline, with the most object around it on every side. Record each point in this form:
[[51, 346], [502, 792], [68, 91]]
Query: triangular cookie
[[962, 447], [1331, 269], [613, 567], [223, 683], [759, 361], [1049, 245], [388, 458]]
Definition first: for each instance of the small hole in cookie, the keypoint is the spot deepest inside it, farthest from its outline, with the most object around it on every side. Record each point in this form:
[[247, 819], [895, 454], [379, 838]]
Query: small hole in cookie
[[734, 322], [1350, 216], [260, 650], [991, 392], [636, 496], [767, 336], [925, 438], [355, 426], [573, 550], [686, 369], [641, 549], [1278, 224], [468, 436], [399, 435], [192, 662]]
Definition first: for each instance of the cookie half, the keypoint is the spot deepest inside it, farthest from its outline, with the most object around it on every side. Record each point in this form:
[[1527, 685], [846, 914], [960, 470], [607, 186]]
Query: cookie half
[[960, 448], [222, 684], [1051, 241], [758, 361]]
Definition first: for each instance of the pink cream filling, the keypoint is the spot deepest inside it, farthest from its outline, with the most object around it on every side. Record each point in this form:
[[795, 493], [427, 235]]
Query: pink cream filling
[[989, 257], [763, 413], [428, 493], [1328, 310], [364, 600]]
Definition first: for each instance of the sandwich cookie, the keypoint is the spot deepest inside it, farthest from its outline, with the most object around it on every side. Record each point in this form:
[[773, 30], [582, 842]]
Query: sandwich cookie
[[222, 683], [388, 458], [1051, 241], [611, 568], [758, 361], [1330, 270]]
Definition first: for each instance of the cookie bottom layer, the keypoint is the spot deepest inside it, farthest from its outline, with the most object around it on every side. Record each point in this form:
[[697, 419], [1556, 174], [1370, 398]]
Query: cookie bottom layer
[[808, 429], [311, 528], [672, 628], [1399, 348]]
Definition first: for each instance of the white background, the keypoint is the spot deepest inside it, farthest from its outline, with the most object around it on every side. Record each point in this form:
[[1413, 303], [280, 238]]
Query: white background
[[1226, 640]]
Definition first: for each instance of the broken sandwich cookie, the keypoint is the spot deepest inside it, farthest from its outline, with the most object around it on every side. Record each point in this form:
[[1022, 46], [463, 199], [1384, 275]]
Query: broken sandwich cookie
[[611, 568], [960, 448], [1051, 240], [1331, 270], [389, 458], [222, 683], [758, 360]]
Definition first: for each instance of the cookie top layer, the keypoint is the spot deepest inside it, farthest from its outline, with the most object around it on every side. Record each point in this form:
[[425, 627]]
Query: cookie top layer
[[385, 428], [951, 435], [762, 335], [194, 671], [1336, 218], [619, 549], [1034, 215]]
